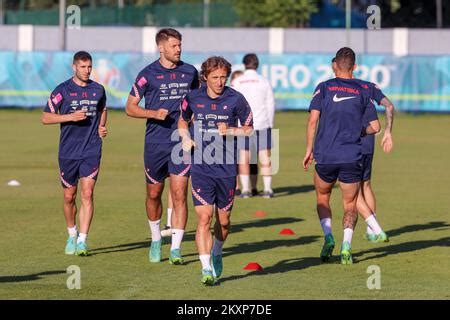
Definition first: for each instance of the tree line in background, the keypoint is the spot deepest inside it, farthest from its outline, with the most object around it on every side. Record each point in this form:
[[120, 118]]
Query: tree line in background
[[281, 13]]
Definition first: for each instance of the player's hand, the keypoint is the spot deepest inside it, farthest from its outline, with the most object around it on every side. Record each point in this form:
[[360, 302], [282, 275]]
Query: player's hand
[[222, 126], [307, 160], [78, 115], [161, 114], [187, 144], [102, 131], [387, 142]]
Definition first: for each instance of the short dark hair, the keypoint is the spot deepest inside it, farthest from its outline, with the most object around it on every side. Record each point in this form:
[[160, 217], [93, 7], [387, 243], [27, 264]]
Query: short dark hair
[[82, 55], [250, 61], [214, 63], [333, 60], [166, 33], [345, 58]]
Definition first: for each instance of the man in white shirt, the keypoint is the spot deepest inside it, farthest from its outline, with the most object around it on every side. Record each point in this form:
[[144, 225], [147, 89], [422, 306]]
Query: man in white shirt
[[259, 94]]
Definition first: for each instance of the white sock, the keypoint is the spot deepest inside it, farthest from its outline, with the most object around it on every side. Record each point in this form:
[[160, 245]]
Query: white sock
[[267, 180], [373, 224], [169, 217], [348, 234], [205, 259], [326, 225], [82, 237], [245, 182], [368, 229], [154, 230], [177, 237], [72, 231], [217, 247]]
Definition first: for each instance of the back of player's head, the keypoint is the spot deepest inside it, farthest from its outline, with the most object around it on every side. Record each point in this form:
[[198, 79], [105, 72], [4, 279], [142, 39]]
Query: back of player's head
[[213, 63], [251, 61], [345, 59], [236, 74], [82, 56], [166, 33]]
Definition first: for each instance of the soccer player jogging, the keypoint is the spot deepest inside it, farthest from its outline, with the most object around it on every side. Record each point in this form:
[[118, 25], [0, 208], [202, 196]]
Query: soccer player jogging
[[258, 92], [340, 105], [366, 197], [79, 106], [209, 122], [163, 84]]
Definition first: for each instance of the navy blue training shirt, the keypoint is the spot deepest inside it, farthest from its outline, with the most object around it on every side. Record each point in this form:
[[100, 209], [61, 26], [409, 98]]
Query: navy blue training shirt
[[164, 88], [78, 140], [206, 112], [375, 93], [342, 104]]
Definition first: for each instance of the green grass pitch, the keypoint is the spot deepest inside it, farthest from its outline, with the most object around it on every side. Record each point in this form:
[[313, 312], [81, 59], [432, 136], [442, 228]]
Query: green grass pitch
[[411, 186]]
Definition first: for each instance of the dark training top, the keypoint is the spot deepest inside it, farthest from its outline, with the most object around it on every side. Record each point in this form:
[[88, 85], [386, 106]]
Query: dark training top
[[78, 140]]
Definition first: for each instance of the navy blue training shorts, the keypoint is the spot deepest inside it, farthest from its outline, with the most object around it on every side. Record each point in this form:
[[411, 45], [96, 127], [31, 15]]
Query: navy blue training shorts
[[71, 170], [345, 172]]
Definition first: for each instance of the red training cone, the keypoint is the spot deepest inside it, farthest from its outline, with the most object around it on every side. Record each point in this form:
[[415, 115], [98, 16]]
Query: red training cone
[[287, 232], [259, 214], [253, 266]]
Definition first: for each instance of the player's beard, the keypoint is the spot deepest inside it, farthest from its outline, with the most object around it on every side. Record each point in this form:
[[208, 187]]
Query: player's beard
[[174, 58], [83, 78]]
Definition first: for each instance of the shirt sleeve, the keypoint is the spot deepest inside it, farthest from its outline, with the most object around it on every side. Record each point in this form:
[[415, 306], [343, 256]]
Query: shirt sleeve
[[195, 82], [186, 111], [140, 86], [55, 101], [376, 93], [317, 98], [244, 112], [102, 103]]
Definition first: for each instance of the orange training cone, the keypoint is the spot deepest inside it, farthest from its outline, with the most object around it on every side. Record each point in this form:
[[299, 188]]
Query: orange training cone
[[259, 214], [253, 266], [287, 232]]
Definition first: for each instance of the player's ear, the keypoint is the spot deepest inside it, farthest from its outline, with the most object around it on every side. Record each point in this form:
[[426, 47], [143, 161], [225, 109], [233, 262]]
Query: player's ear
[[160, 46], [74, 67], [354, 67]]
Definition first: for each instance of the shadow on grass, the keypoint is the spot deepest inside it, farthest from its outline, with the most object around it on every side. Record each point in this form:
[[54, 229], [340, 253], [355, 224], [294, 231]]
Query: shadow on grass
[[280, 267], [418, 227], [190, 235], [30, 277], [381, 252], [287, 191]]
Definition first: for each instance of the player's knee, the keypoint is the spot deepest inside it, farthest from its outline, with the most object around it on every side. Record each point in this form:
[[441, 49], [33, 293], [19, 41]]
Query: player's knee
[[87, 194], [69, 198], [204, 221], [153, 195], [179, 195], [225, 223]]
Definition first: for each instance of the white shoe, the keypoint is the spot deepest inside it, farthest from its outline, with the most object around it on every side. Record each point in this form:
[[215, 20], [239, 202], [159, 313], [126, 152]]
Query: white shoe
[[167, 232]]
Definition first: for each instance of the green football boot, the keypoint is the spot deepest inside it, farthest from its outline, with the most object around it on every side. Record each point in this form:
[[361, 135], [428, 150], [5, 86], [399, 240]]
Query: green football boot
[[327, 249], [346, 253]]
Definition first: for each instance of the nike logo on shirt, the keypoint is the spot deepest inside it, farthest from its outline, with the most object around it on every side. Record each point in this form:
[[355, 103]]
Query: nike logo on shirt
[[336, 99]]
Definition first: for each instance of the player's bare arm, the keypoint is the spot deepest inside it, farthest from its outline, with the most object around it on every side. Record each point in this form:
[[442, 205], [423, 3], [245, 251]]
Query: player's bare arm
[[373, 127], [387, 142], [133, 110], [183, 130], [313, 119], [225, 130], [102, 131], [54, 118]]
